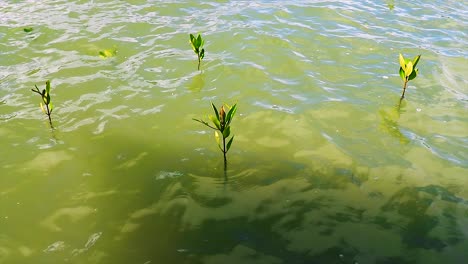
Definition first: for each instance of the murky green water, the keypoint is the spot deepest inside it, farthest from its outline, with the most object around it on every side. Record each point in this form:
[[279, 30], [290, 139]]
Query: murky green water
[[324, 167]]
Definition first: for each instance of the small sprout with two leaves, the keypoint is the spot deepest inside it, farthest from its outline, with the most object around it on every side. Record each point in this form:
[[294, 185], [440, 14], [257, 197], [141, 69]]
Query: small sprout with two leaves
[[408, 71], [222, 126], [108, 53], [46, 104], [197, 46]]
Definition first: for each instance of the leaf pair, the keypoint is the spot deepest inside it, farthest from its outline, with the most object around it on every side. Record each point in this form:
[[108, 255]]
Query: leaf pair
[[218, 140], [108, 53], [221, 118], [197, 43], [408, 70]]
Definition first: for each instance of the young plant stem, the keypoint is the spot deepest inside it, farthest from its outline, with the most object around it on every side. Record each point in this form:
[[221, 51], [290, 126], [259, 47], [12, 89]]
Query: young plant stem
[[224, 153], [48, 115], [48, 112], [404, 89], [225, 176], [199, 61]]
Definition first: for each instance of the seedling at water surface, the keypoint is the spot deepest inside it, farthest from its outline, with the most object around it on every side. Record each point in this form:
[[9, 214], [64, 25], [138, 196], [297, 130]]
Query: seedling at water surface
[[45, 95], [222, 125], [197, 46], [28, 29], [108, 53], [391, 4], [408, 71]]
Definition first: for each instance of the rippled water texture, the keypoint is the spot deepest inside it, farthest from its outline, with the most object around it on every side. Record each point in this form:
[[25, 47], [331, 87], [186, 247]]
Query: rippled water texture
[[325, 167]]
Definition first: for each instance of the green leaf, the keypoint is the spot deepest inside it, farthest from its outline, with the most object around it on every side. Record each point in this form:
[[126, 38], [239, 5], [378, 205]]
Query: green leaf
[[47, 87], [227, 132], [409, 69], [28, 29], [107, 53], [199, 41], [215, 110], [215, 122], [402, 62], [231, 114], [195, 46], [42, 107], [229, 143], [51, 107], [413, 75], [202, 54], [402, 74], [416, 60], [218, 138], [192, 39]]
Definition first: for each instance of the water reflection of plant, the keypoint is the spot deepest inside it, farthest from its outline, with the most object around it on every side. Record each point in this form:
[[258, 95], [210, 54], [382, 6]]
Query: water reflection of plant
[[197, 46], [222, 125], [408, 71], [390, 122], [45, 95], [198, 82]]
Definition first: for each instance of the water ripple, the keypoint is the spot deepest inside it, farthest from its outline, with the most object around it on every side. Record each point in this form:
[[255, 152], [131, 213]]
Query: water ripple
[[309, 52]]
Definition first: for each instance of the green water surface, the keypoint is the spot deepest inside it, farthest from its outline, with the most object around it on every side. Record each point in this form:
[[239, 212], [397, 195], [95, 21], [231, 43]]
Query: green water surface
[[326, 167]]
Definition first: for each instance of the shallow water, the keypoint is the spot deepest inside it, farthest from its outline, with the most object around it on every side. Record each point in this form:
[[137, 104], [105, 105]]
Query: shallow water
[[325, 168]]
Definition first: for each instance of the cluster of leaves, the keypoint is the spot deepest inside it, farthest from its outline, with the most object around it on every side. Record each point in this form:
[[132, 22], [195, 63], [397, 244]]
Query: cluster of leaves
[[46, 104], [408, 70], [197, 46], [222, 126]]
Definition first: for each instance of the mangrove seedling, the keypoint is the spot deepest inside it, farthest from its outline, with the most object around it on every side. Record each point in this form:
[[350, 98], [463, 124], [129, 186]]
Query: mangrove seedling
[[28, 29], [108, 53], [222, 127], [197, 46], [408, 71], [46, 104]]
